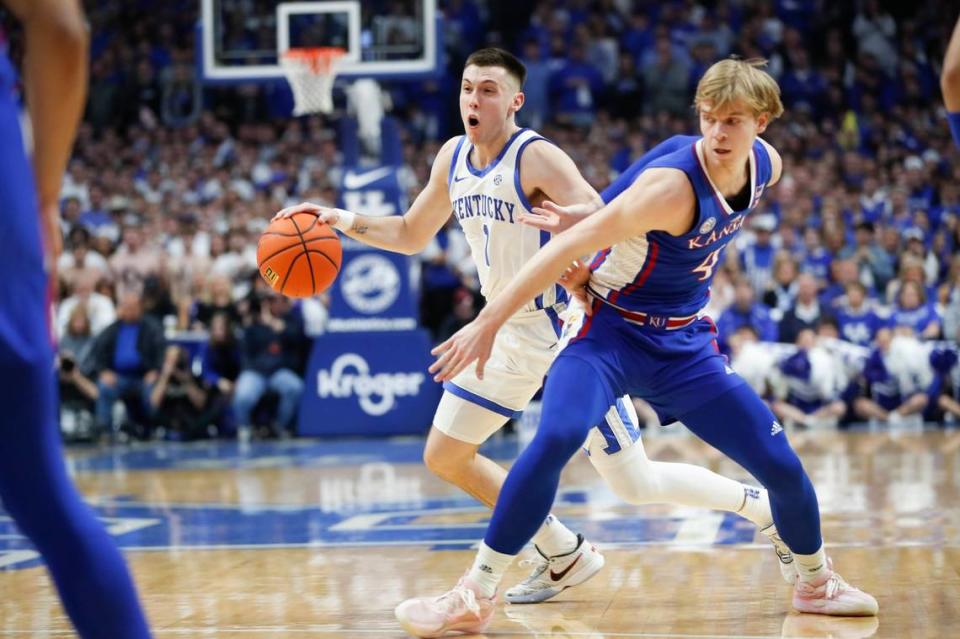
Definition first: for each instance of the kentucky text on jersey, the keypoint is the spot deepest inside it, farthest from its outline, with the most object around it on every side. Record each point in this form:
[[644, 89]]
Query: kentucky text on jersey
[[483, 206]]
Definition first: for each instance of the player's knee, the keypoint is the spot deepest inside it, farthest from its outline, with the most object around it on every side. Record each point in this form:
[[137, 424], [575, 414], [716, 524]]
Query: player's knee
[[634, 487], [782, 473], [630, 475], [447, 462], [558, 440]]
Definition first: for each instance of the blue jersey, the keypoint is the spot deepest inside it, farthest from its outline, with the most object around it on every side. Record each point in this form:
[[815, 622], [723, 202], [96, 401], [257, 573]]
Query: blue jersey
[[669, 275], [916, 318], [858, 326]]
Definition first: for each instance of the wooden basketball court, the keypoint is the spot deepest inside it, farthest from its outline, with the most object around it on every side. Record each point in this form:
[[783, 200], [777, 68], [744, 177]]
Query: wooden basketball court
[[322, 539]]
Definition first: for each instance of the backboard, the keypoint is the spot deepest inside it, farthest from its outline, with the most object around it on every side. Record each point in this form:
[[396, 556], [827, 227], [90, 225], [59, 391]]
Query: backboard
[[242, 40]]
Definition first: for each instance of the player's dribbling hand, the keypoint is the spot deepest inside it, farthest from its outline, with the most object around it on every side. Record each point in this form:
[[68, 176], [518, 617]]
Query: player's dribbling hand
[[553, 218], [472, 342], [327, 215]]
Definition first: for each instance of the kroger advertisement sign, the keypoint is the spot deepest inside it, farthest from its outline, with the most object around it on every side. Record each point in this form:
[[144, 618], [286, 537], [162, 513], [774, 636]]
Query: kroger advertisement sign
[[369, 384]]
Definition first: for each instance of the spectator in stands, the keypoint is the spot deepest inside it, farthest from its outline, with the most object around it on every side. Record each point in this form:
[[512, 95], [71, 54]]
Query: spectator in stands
[[127, 357], [134, 260], [757, 258], [898, 375], [745, 310], [857, 318], [220, 365], [271, 350], [911, 270], [806, 311], [874, 265], [842, 273], [95, 218], [180, 398], [816, 259], [79, 257], [811, 388], [218, 299], [666, 81], [912, 309], [77, 391], [98, 308], [783, 286], [575, 88], [536, 89]]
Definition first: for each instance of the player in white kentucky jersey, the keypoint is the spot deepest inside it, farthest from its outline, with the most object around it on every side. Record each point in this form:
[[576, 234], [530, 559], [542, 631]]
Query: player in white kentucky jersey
[[490, 179]]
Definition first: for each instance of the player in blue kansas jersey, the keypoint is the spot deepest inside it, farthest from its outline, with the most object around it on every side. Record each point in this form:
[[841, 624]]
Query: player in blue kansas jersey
[[950, 83], [665, 235], [86, 566]]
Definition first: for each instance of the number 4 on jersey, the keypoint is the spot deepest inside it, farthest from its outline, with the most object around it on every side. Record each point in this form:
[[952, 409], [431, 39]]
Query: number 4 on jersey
[[708, 265]]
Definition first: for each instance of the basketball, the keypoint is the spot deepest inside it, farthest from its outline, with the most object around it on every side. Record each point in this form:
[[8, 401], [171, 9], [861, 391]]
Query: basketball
[[299, 256]]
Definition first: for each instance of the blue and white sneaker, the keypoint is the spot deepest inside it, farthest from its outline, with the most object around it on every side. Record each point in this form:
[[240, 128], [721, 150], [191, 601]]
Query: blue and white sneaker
[[553, 575]]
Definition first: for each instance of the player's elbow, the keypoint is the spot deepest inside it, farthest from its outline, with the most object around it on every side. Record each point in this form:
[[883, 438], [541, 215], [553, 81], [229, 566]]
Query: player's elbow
[[413, 243]]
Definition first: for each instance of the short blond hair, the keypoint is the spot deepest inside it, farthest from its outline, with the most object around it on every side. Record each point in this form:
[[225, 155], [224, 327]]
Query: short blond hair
[[732, 79]]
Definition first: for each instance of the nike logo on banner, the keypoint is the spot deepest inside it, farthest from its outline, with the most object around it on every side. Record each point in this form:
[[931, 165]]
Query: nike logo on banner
[[353, 181], [460, 179], [557, 576]]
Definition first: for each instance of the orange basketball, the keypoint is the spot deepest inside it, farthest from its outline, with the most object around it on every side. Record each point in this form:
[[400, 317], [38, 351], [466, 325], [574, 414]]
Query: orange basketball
[[299, 256]]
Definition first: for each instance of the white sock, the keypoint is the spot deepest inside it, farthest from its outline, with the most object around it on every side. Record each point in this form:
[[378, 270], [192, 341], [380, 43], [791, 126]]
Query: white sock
[[553, 538], [488, 569], [812, 567], [756, 506]]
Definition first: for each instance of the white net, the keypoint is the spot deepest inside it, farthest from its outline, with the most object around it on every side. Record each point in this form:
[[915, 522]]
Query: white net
[[311, 73]]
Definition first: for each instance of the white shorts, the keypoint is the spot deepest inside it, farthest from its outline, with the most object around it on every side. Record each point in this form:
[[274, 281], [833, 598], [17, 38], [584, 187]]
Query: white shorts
[[471, 410]]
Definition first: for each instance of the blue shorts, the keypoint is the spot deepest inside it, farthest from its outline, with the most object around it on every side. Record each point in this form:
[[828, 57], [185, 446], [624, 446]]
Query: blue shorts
[[675, 371]]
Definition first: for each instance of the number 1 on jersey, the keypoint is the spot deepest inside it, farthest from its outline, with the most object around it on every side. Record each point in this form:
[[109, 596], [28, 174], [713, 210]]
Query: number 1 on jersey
[[708, 265], [486, 244]]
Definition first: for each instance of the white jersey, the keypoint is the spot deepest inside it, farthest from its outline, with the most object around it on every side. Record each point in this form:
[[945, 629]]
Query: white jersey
[[487, 203]]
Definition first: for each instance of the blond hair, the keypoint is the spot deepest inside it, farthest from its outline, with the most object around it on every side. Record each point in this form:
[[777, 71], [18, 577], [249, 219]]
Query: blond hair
[[730, 80]]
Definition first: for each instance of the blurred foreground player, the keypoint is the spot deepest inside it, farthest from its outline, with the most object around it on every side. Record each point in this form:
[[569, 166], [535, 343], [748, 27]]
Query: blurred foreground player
[[88, 570]]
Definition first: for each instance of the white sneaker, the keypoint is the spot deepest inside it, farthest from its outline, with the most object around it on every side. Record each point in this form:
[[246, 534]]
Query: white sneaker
[[831, 595], [552, 575], [788, 569], [460, 610]]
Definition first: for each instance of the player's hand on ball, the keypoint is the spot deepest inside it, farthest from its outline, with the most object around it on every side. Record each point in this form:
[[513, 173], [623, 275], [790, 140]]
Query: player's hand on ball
[[326, 214], [472, 342], [575, 279]]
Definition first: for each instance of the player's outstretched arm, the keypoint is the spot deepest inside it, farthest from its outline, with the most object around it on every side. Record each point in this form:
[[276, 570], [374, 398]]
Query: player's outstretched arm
[[408, 233], [659, 200], [55, 79], [546, 168], [950, 77]]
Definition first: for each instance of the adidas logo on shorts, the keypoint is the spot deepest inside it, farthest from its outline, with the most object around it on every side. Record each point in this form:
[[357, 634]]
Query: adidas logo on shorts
[[776, 428]]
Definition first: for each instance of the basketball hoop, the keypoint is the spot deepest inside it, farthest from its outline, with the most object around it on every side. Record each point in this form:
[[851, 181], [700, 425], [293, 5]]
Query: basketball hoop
[[311, 73]]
